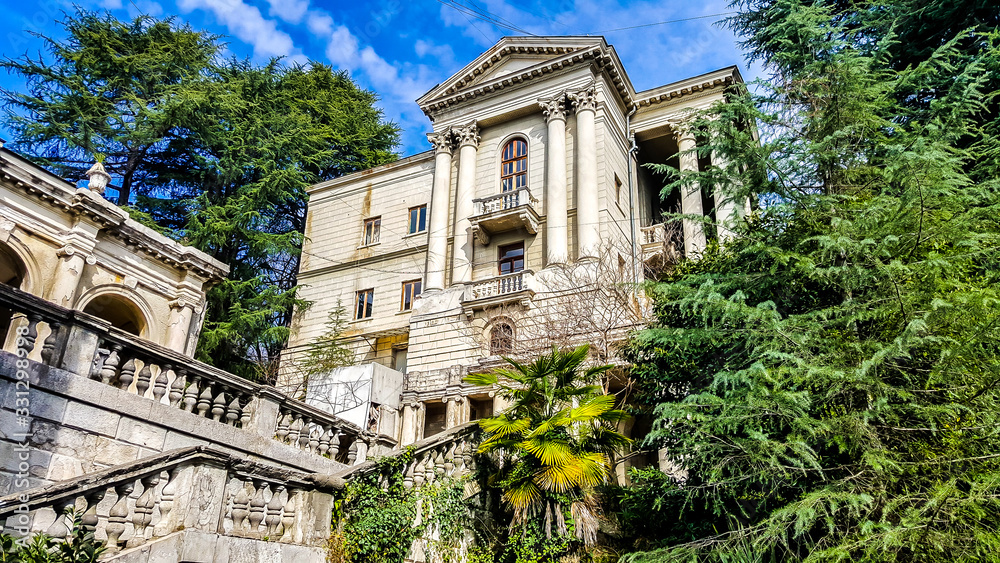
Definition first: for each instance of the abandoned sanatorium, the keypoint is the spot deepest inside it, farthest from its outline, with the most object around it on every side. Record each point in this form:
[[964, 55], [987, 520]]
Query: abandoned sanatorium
[[491, 243]]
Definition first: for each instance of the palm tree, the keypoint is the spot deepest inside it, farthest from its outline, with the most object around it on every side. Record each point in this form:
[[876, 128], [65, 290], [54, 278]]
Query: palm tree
[[555, 438]]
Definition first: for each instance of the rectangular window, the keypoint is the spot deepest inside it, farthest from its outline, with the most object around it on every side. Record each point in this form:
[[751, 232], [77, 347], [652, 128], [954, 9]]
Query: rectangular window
[[363, 304], [372, 228], [618, 189], [511, 258], [411, 290], [418, 219]]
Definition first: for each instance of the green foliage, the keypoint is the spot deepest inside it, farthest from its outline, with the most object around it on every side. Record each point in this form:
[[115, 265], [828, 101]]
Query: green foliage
[[79, 547], [829, 378], [218, 152], [378, 518], [557, 435], [328, 352]]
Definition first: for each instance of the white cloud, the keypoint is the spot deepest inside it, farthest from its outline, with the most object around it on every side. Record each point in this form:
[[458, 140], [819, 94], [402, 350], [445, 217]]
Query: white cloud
[[247, 24], [443, 54], [291, 11]]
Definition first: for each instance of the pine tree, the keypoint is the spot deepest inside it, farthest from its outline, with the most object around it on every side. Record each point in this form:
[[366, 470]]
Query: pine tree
[[829, 379]]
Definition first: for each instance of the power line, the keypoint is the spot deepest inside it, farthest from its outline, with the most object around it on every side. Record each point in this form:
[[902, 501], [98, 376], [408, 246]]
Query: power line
[[484, 15], [603, 31]]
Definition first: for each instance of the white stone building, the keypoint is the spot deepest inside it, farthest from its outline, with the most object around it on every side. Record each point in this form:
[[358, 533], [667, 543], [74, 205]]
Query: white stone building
[[536, 167]]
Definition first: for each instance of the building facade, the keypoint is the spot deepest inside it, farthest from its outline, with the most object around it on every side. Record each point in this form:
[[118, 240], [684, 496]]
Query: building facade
[[535, 181], [72, 247]]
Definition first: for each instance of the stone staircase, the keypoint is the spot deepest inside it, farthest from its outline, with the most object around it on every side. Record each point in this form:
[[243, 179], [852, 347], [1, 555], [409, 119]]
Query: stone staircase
[[166, 458]]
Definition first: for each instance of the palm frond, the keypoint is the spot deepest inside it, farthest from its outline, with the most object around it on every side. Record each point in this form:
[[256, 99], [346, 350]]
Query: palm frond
[[504, 426], [549, 452]]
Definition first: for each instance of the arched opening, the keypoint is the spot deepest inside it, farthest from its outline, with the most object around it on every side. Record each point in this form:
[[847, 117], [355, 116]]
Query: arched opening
[[501, 338], [12, 273], [119, 311], [514, 165]]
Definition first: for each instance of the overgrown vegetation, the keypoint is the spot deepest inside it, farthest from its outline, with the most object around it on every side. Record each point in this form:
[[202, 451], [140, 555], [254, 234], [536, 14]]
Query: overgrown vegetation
[[377, 519], [78, 547], [829, 379]]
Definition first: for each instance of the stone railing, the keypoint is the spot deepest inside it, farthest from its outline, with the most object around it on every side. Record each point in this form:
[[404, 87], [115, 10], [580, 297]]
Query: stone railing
[[499, 286], [503, 201], [89, 347], [196, 490], [653, 235], [448, 455]]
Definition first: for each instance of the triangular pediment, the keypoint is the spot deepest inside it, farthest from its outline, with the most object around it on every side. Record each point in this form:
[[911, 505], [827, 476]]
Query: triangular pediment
[[510, 56]]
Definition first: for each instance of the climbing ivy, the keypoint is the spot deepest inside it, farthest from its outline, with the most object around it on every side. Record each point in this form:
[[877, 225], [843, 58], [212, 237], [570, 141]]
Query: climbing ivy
[[377, 519]]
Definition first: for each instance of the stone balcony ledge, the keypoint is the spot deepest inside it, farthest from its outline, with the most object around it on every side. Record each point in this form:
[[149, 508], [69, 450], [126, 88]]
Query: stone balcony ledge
[[504, 212]]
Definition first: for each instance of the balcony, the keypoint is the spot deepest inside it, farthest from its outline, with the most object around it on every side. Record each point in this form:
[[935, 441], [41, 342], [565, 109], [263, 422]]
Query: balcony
[[503, 212], [502, 290], [652, 239]]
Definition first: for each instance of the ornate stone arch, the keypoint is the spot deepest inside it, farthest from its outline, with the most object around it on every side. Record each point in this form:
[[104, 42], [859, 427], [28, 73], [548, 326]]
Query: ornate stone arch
[[22, 257], [121, 306]]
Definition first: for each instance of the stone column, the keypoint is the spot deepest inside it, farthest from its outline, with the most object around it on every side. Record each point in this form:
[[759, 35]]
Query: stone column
[[556, 221], [726, 209], [437, 236], [454, 411], [179, 327], [67, 278], [408, 432], [694, 232], [468, 141], [587, 195]]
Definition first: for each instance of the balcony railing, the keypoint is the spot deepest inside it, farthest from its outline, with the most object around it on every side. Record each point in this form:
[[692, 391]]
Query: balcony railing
[[504, 212], [503, 201], [653, 234], [507, 288]]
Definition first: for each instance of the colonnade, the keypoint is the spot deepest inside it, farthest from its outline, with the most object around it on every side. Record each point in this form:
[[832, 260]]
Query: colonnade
[[466, 139]]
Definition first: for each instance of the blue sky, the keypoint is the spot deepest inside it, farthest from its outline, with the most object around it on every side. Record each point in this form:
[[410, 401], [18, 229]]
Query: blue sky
[[402, 48]]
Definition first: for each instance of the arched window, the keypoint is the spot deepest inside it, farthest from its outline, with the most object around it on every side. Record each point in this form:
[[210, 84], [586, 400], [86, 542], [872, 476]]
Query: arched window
[[501, 338], [514, 165], [119, 311]]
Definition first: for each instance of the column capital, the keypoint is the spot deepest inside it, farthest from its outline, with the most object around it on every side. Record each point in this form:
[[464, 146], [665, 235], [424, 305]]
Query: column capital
[[554, 109], [467, 135], [441, 142], [583, 100], [681, 129]]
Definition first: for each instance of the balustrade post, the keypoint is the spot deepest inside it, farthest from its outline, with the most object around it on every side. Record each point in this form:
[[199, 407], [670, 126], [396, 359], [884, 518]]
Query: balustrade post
[[263, 412], [82, 339]]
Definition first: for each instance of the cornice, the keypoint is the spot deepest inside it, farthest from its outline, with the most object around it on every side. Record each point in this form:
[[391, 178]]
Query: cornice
[[113, 221], [598, 53]]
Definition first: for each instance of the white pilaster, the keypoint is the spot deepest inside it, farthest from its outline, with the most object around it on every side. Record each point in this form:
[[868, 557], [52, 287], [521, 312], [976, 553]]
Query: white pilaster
[[67, 278], [437, 235], [694, 231], [179, 327], [556, 221], [587, 195], [468, 141], [408, 431]]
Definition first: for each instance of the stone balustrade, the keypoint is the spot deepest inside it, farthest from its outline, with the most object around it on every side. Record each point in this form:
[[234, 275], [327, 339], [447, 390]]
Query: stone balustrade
[[448, 455], [198, 491], [88, 347], [653, 234], [501, 285], [503, 201]]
